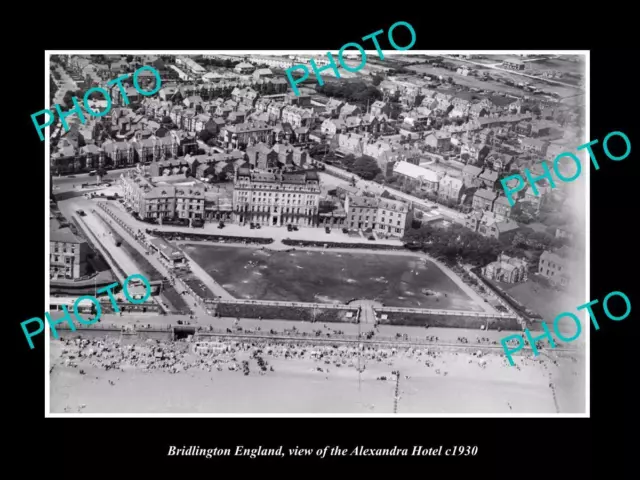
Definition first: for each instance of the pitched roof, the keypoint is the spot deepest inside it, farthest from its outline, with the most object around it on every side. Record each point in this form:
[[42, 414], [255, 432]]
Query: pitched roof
[[414, 171], [484, 193], [62, 234], [471, 170]]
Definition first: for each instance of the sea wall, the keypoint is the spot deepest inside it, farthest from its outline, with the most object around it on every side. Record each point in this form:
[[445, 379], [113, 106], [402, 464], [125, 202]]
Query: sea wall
[[296, 312], [448, 321]]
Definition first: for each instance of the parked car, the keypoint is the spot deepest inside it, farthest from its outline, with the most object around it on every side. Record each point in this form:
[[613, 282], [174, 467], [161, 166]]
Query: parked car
[[221, 225], [252, 226], [345, 230], [81, 213], [327, 230], [258, 226], [371, 237], [295, 228], [290, 227]]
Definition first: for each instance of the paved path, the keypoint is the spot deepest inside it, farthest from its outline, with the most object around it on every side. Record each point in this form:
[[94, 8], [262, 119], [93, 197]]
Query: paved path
[[374, 187], [367, 314], [316, 234], [154, 261], [65, 83], [416, 335], [100, 230], [205, 278]]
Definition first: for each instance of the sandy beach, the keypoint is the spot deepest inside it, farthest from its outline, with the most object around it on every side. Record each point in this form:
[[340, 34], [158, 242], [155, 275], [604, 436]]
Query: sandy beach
[[429, 381]]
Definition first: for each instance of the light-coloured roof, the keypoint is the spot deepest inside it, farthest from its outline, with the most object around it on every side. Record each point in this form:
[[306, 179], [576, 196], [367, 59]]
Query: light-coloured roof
[[414, 171]]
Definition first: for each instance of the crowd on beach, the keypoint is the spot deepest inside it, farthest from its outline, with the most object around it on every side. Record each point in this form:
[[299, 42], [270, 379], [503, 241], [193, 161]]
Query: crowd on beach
[[173, 357], [263, 356]]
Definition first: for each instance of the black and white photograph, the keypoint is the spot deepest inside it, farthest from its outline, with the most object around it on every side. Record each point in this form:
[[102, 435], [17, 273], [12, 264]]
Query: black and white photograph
[[267, 233]]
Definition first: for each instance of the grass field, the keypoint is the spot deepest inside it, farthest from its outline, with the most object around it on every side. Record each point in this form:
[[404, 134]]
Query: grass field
[[559, 65], [537, 295], [468, 81], [308, 276]]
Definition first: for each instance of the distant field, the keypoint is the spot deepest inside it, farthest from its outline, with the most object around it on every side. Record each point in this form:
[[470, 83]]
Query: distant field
[[560, 65], [468, 81], [537, 296]]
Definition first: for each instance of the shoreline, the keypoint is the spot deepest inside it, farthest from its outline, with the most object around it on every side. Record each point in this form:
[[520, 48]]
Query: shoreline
[[120, 378]]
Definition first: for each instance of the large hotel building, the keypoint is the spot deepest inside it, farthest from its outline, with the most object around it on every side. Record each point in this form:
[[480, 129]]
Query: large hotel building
[[276, 198], [162, 201], [382, 215]]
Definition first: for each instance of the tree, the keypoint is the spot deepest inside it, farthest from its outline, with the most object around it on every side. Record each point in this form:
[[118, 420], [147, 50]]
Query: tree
[[449, 80], [129, 58], [377, 79], [366, 167], [101, 172], [67, 100], [348, 161], [205, 135]]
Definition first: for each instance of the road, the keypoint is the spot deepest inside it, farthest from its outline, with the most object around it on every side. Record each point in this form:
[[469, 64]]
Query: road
[[65, 83], [152, 258], [66, 182], [516, 72], [452, 215]]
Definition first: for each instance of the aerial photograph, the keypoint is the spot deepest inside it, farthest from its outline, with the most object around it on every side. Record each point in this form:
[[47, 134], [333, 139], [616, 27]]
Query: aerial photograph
[[343, 245]]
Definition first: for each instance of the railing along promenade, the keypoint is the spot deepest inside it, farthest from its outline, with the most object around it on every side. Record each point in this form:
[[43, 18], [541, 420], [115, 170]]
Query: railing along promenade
[[379, 340]]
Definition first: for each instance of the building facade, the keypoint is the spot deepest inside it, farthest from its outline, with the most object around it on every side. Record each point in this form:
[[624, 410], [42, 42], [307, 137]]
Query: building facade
[[556, 266], [506, 269], [161, 202], [382, 215], [67, 253], [276, 198]]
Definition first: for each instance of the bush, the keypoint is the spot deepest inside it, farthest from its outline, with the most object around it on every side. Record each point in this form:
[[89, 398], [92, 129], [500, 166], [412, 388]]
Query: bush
[[295, 313]]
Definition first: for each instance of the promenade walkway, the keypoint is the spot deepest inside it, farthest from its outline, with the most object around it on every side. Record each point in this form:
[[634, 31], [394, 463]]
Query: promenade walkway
[[154, 261]]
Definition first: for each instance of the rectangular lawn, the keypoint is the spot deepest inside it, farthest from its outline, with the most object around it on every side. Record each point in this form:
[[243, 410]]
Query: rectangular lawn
[[330, 277]]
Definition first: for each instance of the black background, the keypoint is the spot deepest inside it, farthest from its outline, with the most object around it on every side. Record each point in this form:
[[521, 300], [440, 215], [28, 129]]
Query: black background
[[524, 448]]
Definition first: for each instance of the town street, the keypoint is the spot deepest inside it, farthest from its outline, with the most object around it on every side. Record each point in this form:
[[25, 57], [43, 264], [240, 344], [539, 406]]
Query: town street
[[367, 185]]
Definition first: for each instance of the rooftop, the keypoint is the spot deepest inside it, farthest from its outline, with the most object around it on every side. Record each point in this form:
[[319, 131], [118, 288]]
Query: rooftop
[[63, 234]]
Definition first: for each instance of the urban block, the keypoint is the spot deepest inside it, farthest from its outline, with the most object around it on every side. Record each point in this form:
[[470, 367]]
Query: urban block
[[363, 62], [587, 306], [76, 106], [547, 173], [108, 289]]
